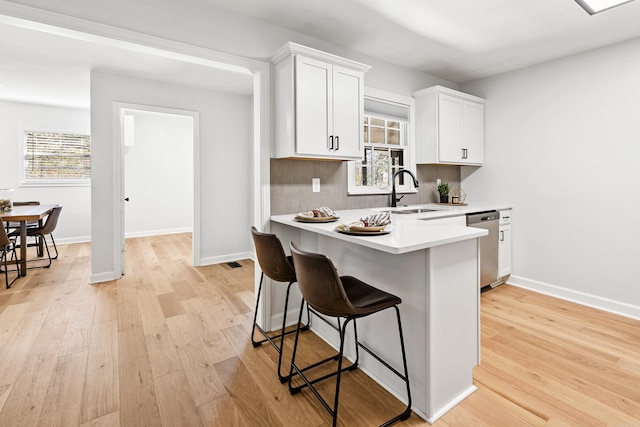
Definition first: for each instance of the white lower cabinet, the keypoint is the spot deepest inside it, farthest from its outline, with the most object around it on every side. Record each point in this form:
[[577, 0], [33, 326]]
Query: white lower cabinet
[[504, 245]]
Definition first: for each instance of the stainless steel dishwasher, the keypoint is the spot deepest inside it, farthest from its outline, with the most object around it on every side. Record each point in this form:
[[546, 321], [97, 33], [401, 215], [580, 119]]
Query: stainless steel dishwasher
[[488, 245]]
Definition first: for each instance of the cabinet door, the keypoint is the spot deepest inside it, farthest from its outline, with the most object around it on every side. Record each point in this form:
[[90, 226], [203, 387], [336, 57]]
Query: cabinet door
[[504, 251], [347, 112], [450, 113], [313, 106], [473, 132]]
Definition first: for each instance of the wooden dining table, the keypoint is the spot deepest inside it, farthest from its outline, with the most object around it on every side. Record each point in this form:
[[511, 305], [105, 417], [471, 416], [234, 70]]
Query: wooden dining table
[[23, 215]]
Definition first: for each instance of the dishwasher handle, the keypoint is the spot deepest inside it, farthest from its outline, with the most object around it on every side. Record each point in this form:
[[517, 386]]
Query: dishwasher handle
[[480, 217]]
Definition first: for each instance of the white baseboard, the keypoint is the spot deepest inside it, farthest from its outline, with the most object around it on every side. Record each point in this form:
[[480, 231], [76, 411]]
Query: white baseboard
[[103, 277], [226, 258], [85, 239], [146, 233], [594, 301], [69, 240]]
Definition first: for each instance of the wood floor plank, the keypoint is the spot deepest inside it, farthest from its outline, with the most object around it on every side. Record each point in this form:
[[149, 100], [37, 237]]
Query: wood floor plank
[[106, 302], [150, 311], [24, 404], [245, 394], [10, 318], [101, 388], [16, 347], [62, 401], [138, 403], [109, 420], [177, 407], [170, 304], [163, 355], [197, 360]]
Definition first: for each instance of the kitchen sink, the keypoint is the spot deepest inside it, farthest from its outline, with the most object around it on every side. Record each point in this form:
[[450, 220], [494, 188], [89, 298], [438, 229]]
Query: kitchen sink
[[414, 211]]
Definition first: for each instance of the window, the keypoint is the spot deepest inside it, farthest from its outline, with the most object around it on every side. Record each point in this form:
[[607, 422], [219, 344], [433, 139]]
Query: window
[[56, 158], [384, 145], [387, 148]]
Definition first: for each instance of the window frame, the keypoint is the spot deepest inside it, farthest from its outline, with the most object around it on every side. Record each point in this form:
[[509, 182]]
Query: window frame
[[42, 182], [409, 150]]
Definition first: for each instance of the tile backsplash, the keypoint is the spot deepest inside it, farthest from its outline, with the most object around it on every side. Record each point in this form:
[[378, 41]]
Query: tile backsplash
[[291, 186]]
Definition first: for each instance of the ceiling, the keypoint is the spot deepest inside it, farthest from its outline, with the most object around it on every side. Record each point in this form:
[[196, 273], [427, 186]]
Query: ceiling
[[44, 68], [457, 40]]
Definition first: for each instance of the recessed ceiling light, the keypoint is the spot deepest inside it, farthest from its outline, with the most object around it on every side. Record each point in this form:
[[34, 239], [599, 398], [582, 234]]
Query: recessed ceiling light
[[596, 6]]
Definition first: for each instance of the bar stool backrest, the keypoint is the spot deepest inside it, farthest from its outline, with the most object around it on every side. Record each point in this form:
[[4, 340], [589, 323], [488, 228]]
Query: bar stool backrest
[[271, 257], [320, 284]]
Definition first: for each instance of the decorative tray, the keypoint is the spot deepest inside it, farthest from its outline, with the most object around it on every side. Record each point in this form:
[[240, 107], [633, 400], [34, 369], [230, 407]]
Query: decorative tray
[[360, 231], [316, 219]]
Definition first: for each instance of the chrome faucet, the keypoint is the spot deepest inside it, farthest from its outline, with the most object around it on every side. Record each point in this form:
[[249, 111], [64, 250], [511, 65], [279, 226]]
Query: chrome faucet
[[393, 186]]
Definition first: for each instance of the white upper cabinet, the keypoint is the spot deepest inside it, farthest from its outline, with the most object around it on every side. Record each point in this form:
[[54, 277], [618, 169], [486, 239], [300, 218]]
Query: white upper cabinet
[[319, 102], [449, 127]]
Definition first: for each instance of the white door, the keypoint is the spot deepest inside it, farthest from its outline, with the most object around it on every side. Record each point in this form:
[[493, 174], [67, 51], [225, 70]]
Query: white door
[[347, 113], [449, 129], [473, 132], [313, 106]]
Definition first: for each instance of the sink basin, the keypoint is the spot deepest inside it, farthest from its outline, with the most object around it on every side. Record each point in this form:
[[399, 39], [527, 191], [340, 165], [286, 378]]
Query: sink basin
[[414, 211]]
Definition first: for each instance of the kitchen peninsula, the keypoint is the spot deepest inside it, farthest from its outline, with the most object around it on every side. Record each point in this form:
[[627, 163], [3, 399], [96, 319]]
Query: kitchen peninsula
[[431, 261]]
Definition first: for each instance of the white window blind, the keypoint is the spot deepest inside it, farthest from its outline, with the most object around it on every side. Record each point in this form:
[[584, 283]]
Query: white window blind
[[56, 156]]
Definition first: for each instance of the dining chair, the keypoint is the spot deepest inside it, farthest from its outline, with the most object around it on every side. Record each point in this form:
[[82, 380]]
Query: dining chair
[[13, 225], [41, 232], [279, 268], [8, 246], [341, 297]]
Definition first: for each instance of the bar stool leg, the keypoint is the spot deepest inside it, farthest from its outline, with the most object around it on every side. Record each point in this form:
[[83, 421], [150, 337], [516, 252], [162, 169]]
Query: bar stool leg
[[407, 412], [282, 334], [342, 327]]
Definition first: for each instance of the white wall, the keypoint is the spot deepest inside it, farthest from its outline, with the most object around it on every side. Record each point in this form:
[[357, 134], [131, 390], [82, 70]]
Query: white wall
[[225, 164], [159, 175], [75, 221], [563, 143]]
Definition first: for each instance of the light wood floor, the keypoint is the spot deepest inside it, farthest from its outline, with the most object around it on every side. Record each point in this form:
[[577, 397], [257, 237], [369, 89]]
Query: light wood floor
[[169, 345]]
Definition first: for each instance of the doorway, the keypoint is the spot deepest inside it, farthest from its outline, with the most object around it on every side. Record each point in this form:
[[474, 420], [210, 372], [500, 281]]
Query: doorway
[[158, 173]]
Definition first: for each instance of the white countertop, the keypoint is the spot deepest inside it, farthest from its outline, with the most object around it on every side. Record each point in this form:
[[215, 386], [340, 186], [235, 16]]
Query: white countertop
[[409, 232]]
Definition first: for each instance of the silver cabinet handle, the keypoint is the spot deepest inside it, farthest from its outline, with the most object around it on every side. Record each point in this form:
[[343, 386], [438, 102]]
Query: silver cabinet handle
[[502, 236]]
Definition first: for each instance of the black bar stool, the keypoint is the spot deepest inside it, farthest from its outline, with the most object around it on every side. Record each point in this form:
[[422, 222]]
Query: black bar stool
[[278, 267], [342, 297]]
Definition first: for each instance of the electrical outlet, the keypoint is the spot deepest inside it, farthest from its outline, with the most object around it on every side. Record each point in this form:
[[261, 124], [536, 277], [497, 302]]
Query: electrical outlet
[[315, 185], [438, 181]]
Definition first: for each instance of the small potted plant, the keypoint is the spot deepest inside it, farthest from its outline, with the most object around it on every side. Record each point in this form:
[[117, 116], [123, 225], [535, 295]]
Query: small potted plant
[[443, 189]]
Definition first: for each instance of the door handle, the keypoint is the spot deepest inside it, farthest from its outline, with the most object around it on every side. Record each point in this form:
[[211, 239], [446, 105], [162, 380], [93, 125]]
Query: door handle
[[502, 236], [331, 140], [337, 143], [126, 199]]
